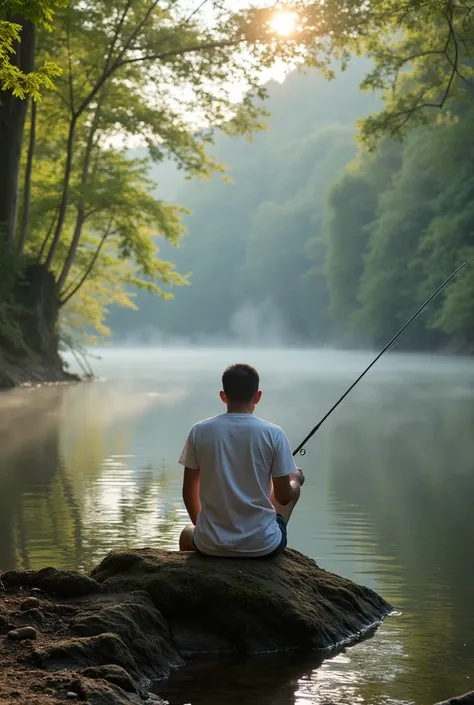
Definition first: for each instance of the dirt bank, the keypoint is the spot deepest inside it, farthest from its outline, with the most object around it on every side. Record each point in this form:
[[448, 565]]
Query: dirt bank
[[30, 370]]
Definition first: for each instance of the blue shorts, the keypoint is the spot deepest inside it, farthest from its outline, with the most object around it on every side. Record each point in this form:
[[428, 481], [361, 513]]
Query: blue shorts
[[279, 549]]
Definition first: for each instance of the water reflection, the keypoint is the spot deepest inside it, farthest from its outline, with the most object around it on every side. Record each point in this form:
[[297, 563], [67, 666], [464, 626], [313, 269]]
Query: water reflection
[[65, 498], [267, 680], [387, 501], [414, 478], [348, 678]]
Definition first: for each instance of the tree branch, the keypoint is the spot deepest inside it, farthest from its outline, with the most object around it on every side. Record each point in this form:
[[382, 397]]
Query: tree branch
[[69, 61], [81, 208], [417, 107], [65, 194], [48, 235], [184, 50], [117, 30], [419, 103], [89, 269], [106, 73], [109, 69], [92, 211], [454, 63], [467, 15]]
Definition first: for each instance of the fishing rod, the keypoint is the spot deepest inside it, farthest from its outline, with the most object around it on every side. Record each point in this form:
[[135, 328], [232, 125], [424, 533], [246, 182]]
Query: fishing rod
[[300, 449]]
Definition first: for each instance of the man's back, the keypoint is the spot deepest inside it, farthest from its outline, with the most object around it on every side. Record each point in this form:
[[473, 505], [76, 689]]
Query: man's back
[[237, 455]]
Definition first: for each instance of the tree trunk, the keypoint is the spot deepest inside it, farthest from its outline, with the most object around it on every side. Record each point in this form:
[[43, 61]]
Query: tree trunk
[[39, 309], [37, 305], [25, 221], [12, 124], [36, 357]]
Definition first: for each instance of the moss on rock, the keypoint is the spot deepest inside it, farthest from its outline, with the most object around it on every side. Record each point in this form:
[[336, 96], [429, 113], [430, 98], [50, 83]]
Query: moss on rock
[[257, 606]]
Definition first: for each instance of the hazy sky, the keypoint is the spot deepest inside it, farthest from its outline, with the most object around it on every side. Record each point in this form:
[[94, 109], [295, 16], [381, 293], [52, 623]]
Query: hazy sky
[[279, 71]]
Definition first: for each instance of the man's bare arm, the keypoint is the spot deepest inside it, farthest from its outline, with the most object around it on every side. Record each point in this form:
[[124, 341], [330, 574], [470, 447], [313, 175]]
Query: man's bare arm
[[286, 489], [191, 493]]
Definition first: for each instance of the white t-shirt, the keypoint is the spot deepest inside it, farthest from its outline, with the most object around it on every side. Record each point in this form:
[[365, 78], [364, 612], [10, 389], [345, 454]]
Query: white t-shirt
[[237, 455]]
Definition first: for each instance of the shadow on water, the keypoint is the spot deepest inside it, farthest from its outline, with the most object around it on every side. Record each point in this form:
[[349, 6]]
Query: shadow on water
[[263, 680], [273, 679]]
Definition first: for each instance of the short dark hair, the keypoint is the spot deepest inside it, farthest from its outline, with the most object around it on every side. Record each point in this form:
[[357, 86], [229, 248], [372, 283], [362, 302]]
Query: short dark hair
[[240, 382]]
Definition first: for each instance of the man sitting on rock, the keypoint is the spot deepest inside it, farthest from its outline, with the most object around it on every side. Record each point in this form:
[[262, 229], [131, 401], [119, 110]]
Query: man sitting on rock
[[240, 480]]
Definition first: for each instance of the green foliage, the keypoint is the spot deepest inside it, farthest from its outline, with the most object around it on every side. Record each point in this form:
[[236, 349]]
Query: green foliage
[[292, 231], [422, 52], [416, 228], [119, 247], [164, 76], [305, 246], [137, 71], [256, 246], [40, 11], [12, 78]]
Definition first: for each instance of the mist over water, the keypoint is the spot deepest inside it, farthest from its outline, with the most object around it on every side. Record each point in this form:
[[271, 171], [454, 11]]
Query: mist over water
[[387, 501], [259, 325]]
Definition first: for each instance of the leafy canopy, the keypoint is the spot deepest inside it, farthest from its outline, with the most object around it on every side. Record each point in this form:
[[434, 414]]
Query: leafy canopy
[[423, 53], [12, 14], [160, 74]]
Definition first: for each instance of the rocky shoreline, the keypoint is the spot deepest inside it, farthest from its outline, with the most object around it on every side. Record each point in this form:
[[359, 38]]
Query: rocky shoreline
[[106, 638]]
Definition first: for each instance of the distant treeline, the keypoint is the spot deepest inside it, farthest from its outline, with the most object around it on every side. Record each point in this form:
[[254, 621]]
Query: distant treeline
[[317, 240]]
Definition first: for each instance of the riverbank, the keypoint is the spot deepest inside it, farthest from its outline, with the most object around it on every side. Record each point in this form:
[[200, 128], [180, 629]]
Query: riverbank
[[107, 637], [30, 371]]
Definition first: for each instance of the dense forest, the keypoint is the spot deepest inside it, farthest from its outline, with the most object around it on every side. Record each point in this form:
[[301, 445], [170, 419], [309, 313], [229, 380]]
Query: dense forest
[[319, 239], [399, 222], [255, 248]]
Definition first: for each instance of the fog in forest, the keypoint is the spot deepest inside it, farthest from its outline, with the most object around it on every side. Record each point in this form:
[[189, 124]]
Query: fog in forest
[[316, 241]]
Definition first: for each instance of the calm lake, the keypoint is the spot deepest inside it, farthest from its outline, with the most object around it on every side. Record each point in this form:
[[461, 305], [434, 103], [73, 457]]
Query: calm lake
[[388, 501]]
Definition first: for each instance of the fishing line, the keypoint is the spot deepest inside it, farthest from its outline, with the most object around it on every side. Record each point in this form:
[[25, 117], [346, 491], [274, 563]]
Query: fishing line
[[300, 449]]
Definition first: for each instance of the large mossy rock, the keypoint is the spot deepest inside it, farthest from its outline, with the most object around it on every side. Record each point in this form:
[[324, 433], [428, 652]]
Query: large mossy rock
[[104, 638], [248, 606]]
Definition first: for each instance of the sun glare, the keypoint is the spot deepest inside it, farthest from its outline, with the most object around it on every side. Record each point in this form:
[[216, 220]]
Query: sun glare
[[284, 23]]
